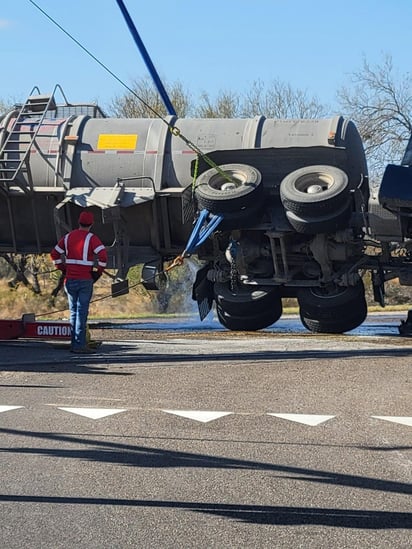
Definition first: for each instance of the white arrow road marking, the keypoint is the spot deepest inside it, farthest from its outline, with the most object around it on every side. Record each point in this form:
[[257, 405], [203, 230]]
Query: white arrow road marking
[[396, 419], [94, 413], [307, 419], [7, 408], [198, 415]]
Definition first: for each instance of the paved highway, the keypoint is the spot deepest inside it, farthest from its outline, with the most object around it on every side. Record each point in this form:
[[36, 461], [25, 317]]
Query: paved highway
[[187, 436]]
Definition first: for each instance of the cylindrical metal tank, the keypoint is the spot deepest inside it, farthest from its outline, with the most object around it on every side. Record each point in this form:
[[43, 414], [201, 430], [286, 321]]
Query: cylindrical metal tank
[[86, 152], [76, 161]]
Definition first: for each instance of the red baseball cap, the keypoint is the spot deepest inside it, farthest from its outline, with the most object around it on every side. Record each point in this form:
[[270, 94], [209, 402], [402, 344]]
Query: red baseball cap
[[86, 218]]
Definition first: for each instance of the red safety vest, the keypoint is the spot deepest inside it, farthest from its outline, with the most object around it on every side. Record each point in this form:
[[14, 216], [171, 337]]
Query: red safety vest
[[76, 254]]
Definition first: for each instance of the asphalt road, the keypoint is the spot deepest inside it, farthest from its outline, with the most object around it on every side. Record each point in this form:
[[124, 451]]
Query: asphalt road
[[180, 436]]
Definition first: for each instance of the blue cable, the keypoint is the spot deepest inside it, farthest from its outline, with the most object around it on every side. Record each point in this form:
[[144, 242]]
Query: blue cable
[[202, 230]]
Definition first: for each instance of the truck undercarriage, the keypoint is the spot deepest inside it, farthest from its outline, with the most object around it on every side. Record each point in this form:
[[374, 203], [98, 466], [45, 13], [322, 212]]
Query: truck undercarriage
[[295, 214]]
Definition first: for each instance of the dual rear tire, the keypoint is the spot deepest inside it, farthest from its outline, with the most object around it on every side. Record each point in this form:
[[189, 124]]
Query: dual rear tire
[[248, 308], [234, 191], [333, 311], [316, 199]]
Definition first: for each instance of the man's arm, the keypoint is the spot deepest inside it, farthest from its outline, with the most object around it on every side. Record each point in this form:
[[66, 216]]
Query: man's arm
[[100, 251], [58, 255]]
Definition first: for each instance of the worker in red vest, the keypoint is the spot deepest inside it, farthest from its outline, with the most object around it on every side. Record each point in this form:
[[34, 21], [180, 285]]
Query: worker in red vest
[[76, 254]]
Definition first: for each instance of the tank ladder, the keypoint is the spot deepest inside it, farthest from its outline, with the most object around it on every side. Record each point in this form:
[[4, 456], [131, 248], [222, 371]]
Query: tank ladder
[[15, 150]]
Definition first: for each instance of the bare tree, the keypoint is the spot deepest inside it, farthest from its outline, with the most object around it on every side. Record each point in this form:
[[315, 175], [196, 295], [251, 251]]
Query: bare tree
[[380, 103], [280, 100], [277, 100], [144, 101], [226, 105], [24, 265]]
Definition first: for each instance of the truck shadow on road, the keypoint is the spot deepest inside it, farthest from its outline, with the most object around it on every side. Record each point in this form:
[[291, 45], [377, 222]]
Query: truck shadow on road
[[96, 450], [21, 360], [253, 514]]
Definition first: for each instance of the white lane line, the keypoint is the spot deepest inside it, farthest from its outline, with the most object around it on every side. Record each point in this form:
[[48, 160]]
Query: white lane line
[[198, 415], [403, 420], [7, 408], [307, 419], [94, 413]]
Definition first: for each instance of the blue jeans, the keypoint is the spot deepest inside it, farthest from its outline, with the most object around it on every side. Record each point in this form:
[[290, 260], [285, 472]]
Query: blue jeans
[[79, 294]]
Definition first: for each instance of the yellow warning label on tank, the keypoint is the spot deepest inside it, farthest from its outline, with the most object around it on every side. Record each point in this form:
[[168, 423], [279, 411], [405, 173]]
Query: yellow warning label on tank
[[112, 141]]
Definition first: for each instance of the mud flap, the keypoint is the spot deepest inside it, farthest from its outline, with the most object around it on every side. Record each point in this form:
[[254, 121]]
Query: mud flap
[[153, 278], [203, 292], [120, 288], [378, 287], [405, 329]]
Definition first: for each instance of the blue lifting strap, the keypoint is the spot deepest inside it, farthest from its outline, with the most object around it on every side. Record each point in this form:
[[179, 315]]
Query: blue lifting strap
[[205, 225]]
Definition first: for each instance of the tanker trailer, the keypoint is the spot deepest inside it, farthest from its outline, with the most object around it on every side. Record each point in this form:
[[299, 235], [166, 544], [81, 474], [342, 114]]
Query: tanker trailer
[[293, 197]]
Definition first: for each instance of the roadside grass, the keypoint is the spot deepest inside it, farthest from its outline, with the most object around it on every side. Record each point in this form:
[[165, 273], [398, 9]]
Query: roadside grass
[[135, 305], [172, 302]]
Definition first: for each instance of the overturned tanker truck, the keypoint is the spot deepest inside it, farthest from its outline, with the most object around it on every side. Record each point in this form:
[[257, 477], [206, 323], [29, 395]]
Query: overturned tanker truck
[[286, 208]]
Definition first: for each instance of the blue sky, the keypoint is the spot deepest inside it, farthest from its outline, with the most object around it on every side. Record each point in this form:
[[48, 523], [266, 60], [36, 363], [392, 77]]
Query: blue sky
[[207, 46]]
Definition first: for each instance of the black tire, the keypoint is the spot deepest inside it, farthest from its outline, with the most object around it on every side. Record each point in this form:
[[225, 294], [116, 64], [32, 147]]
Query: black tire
[[324, 224], [251, 323], [328, 304], [246, 300], [241, 190], [333, 312], [315, 191], [345, 321]]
